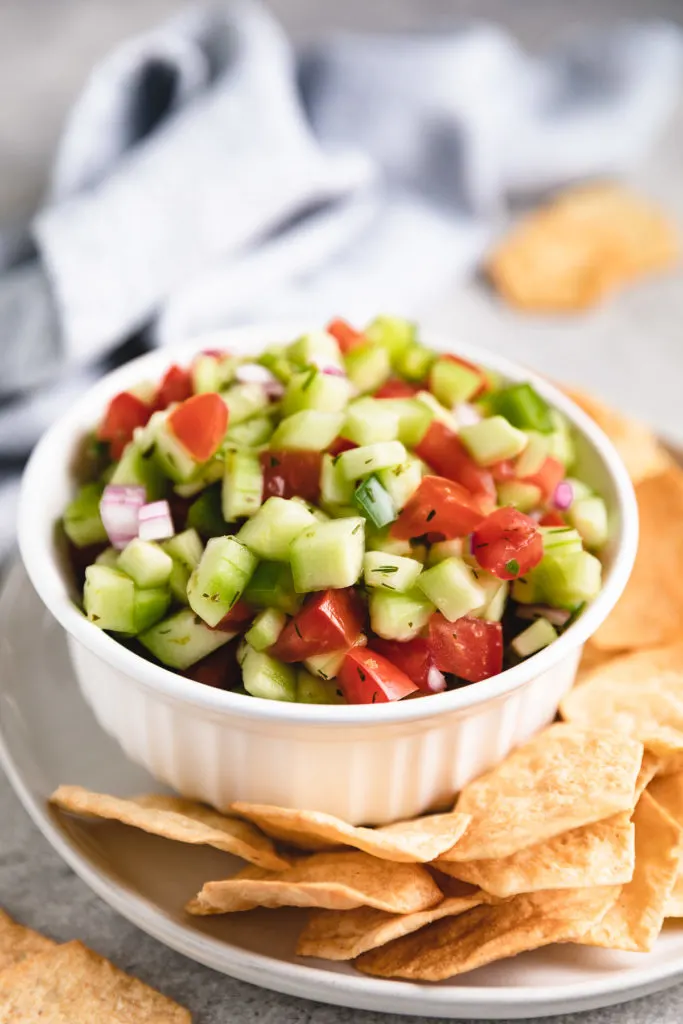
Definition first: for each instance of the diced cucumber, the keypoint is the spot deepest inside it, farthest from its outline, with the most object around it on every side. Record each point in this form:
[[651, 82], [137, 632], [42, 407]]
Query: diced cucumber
[[369, 420], [242, 485], [244, 401], [328, 555], [140, 468], [309, 430], [534, 455], [567, 580], [452, 586], [180, 577], [579, 488], [414, 418], [185, 547], [275, 360], [523, 407], [392, 333], [326, 666], [561, 539], [527, 590], [393, 572], [151, 605], [523, 496], [220, 578], [267, 677], [209, 473], [497, 592], [146, 563], [360, 462], [415, 361], [335, 489], [315, 349], [438, 411], [561, 440], [316, 512], [250, 433], [172, 457], [265, 629], [108, 557], [452, 382], [374, 502], [272, 586], [537, 636], [395, 616], [205, 514], [402, 481], [492, 440], [445, 549], [368, 367], [270, 532], [314, 389], [589, 516], [381, 540], [182, 639], [314, 690], [82, 521], [109, 599], [205, 374]]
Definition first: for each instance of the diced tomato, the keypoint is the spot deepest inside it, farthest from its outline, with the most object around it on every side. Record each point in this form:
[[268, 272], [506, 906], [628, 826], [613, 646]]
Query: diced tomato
[[368, 678], [346, 336], [548, 477], [415, 658], [339, 445], [291, 474], [503, 470], [237, 619], [438, 506], [329, 621], [124, 413], [215, 353], [552, 519], [219, 669], [200, 424], [507, 543], [443, 450], [176, 386], [395, 388], [484, 383], [469, 648]]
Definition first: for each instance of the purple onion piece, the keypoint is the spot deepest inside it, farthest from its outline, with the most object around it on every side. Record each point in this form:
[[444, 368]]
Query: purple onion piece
[[555, 616]]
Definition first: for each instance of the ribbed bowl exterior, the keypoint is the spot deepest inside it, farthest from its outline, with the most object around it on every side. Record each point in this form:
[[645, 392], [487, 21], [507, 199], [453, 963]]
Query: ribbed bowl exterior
[[369, 774]]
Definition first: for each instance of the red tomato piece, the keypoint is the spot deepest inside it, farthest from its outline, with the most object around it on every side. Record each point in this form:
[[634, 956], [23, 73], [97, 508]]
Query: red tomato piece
[[219, 669], [443, 450], [328, 622], [346, 336], [176, 386], [396, 388], [548, 477], [507, 543], [438, 506], [367, 678], [291, 474], [469, 648], [415, 658], [552, 519], [484, 382], [339, 445], [200, 424], [124, 413], [237, 619]]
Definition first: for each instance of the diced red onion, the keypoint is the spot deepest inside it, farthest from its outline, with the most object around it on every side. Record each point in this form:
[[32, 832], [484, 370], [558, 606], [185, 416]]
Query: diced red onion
[[555, 616], [253, 373], [466, 414], [436, 680], [155, 521], [119, 508], [333, 371], [563, 496]]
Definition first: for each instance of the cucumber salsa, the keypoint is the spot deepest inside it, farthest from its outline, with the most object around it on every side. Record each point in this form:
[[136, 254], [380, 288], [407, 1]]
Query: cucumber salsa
[[349, 517]]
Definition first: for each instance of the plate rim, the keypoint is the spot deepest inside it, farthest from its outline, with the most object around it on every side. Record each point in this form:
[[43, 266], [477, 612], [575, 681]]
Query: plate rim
[[314, 982]]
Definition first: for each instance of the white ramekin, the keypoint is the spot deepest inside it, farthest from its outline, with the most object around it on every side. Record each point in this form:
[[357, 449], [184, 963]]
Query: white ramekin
[[367, 764]]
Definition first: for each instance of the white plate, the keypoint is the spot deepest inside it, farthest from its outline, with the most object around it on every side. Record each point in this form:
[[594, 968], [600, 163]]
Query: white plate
[[48, 736]]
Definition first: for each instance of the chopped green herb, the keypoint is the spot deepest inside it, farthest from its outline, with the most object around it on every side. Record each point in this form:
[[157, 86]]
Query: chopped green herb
[[512, 566]]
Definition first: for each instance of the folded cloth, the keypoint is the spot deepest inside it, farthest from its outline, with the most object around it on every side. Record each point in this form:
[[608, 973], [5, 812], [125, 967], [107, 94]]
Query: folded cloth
[[209, 175]]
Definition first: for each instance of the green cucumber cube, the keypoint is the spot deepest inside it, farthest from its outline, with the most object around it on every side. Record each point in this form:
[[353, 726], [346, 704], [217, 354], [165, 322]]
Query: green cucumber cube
[[242, 485], [277, 523], [182, 640], [360, 462], [497, 593], [369, 420], [537, 636], [316, 512], [392, 333], [82, 521], [109, 599], [381, 540], [402, 481], [374, 501], [368, 367], [108, 557], [328, 555], [146, 563], [523, 496], [266, 677], [272, 586], [395, 616], [180, 577], [185, 548], [205, 374], [415, 361], [568, 580], [220, 578], [151, 605], [453, 382], [244, 401], [309, 430], [445, 549], [315, 349], [438, 411], [560, 440], [265, 629], [493, 439], [326, 666], [523, 407], [275, 359], [393, 572], [205, 514], [335, 489], [452, 586], [314, 389], [561, 539], [138, 468], [414, 418], [250, 433], [171, 456], [209, 473], [589, 516], [534, 455], [580, 489], [314, 690]]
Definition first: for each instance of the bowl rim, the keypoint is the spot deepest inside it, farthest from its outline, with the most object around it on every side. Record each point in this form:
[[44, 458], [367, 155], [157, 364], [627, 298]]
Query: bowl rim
[[35, 532]]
